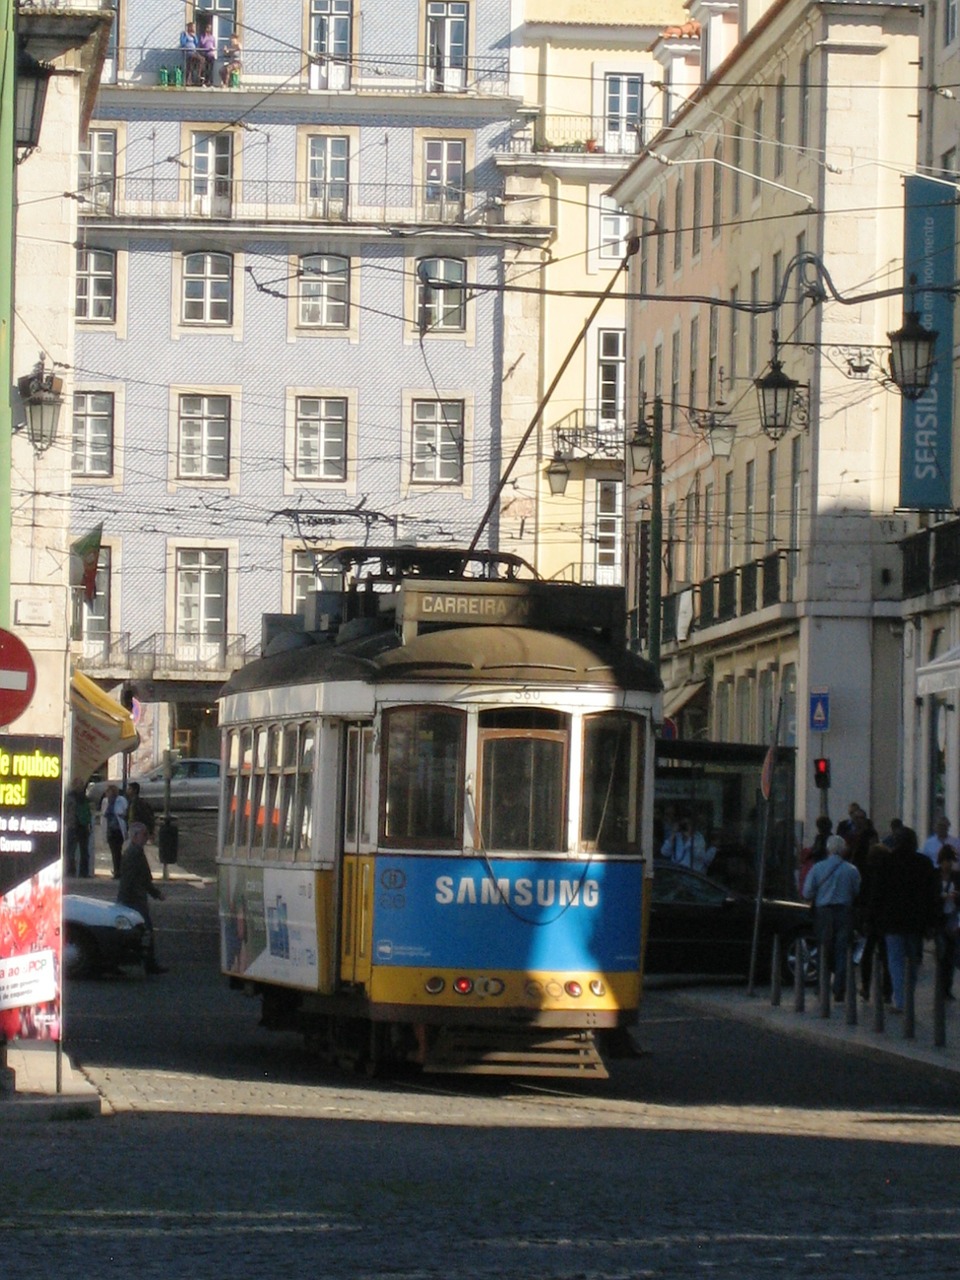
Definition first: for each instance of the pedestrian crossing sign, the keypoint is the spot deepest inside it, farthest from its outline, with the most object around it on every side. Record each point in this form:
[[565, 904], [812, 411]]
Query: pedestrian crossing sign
[[819, 710]]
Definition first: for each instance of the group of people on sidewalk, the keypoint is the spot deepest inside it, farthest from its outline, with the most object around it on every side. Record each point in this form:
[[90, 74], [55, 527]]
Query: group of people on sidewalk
[[200, 57], [128, 822], [891, 891]]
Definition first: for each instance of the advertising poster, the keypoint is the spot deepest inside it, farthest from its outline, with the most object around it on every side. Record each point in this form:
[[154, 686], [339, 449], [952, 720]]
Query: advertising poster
[[520, 914], [31, 886], [927, 424], [268, 925]]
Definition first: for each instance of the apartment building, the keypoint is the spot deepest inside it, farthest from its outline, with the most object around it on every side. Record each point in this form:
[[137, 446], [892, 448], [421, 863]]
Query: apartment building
[[772, 204], [593, 96], [290, 328]]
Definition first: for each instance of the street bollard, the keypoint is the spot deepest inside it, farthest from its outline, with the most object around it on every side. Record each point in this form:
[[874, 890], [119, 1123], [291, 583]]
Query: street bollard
[[799, 976], [826, 951], [939, 1018], [851, 1000], [909, 992], [876, 994], [775, 971]]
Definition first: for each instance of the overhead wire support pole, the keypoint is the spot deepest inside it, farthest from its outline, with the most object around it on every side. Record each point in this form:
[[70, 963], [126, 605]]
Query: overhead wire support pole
[[633, 245], [655, 606]]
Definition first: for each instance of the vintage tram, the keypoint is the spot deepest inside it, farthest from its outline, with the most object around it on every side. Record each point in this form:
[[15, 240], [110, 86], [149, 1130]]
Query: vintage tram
[[436, 828]]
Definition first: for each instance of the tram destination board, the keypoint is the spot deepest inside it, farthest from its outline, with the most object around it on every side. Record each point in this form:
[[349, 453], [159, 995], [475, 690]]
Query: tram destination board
[[547, 606]]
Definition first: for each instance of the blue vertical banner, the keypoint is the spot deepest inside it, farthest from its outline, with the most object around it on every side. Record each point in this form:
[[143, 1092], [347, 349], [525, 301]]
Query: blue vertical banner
[[926, 424]]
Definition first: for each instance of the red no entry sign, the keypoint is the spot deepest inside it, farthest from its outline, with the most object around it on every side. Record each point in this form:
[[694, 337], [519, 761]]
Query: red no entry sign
[[18, 677]]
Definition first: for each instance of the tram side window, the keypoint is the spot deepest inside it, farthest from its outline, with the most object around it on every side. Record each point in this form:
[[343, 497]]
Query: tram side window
[[286, 800], [243, 784], [304, 804], [423, 776], [612, 778]]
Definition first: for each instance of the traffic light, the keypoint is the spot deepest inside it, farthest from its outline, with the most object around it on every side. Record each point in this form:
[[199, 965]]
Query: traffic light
[[821, 772]]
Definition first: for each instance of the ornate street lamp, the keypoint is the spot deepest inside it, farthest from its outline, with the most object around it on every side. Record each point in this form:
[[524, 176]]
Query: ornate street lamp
[[777, 391], [912, 355], [558, 473], [33, 77], [641, 449], [41, 393]]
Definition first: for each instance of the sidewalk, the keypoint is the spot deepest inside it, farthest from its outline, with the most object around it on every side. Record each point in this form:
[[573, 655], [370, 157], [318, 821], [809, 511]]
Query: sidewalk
[[888, 1044], [34, 1062]]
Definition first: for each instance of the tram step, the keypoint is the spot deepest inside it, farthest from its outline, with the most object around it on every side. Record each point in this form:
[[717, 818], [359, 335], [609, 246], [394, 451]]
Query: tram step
[[475, 1052]]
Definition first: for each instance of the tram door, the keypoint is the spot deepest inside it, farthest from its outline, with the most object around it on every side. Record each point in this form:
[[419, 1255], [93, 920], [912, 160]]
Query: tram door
[[359, 843]]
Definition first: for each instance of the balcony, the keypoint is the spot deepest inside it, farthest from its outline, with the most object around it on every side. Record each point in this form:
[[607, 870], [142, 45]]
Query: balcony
[[587, 136], [162, 656], [736, 593], [916, 563], [589, 433], [286, 71], [176, 196]]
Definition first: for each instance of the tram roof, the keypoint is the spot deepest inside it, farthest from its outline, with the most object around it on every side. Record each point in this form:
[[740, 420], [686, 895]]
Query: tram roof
[[514, 653], [497, 654]]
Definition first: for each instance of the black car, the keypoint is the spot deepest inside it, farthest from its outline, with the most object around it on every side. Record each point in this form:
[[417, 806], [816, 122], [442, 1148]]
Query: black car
[[698, 926]]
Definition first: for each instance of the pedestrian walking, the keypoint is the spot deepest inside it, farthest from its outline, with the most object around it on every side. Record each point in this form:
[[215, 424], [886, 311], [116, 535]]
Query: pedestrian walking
[[905, 902], [832, 886], [136, 888], [949, 919]]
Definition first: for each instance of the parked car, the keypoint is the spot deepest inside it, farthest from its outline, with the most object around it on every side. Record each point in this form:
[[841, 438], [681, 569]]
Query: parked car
[[99, 936], [194, 784], [698, 926]]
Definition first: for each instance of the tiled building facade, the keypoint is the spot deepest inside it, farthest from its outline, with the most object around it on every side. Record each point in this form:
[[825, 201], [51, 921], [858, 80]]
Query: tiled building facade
[[268, 363]]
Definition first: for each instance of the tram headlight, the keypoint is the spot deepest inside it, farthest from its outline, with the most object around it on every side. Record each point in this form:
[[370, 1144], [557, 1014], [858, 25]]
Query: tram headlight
[[573, 988], [490, 986], [597, 988], [433, 986], [463, 986]]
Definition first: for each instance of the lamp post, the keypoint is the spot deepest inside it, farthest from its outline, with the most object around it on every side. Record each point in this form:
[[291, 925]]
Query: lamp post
[[646, 454]]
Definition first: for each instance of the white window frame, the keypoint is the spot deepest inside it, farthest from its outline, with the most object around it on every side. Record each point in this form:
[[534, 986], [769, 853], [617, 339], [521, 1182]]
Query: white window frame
[[97, 178], [209, 277], [322, 428], [614, 230], [622, 112], [323, 294], [93, 433], [203, 436], [91, 622], [442, 309], [447, 46], [330, 39], [328, 176], [201, 618], [94, 267], [306, 575], [444, 178], [437, 441]]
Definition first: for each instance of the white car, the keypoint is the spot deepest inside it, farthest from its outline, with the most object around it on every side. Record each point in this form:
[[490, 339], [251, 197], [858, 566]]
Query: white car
[[99, 936]]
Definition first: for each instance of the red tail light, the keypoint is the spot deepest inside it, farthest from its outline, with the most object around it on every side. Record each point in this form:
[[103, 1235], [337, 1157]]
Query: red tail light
[[463, 986]]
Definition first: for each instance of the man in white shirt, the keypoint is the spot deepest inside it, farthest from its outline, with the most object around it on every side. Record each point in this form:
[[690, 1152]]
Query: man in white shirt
[[686, 847], [941, 836]]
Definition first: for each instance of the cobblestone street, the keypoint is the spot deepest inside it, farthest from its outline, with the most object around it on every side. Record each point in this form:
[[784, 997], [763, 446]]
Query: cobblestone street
[[224, 1149]]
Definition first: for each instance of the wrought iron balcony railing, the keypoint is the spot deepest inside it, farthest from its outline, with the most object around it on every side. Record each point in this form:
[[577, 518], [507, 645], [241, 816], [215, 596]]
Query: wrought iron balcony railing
[[581, 135], [590, 433], [179, 194], [102, 651], [291, 70]]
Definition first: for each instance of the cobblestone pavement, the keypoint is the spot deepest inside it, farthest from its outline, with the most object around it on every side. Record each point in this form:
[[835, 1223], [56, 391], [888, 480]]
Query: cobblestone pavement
[[722, 1150]]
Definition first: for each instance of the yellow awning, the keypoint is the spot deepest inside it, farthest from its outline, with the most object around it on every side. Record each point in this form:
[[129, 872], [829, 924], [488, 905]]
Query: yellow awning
[[101, 726]]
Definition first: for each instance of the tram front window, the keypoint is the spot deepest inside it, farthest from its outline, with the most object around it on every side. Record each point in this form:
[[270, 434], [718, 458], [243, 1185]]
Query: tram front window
[[523, 794], [424, 776], [612, 770]]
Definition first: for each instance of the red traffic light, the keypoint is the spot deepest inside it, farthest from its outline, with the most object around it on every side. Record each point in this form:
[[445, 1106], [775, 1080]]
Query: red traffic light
[[821, 772]]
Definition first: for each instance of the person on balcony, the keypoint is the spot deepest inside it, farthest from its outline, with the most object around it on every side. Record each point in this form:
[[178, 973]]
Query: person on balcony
[[207, 45], [232, 62], [193, 60]]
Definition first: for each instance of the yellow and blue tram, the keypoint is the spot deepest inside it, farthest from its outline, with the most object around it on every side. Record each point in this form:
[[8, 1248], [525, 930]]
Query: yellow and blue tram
[[436, 831]]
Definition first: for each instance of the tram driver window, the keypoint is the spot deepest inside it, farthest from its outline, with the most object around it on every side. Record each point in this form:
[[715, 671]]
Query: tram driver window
[[423, 777], [612, 773], [523, 779]]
